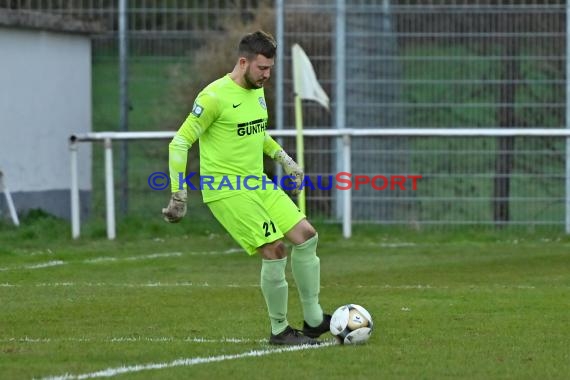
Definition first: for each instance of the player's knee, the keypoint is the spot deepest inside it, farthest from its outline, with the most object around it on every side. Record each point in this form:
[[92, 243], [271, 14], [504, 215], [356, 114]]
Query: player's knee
[[301, 233], [308, 232], [273, 251]]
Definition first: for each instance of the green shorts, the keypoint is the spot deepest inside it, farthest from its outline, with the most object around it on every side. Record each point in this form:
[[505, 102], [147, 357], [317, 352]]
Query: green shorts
[[257, 217]]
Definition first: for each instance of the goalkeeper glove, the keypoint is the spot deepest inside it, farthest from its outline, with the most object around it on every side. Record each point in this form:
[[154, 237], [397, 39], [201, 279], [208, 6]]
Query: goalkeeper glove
[[291, 168], [176, 208]]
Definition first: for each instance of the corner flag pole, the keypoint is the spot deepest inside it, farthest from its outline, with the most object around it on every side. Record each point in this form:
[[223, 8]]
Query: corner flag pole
[[300, 145], [306, 86]]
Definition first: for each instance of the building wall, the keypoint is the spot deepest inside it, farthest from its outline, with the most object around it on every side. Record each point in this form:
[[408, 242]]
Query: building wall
[[45, 96]]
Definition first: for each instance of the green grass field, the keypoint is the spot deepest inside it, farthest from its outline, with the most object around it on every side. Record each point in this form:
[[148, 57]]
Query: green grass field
[[184, 302]]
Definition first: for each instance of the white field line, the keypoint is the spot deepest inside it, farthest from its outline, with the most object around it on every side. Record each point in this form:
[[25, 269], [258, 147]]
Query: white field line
[[396, 245], [129, 285], [160, 255], [244, 286], [119, 259], [129, 339], [47, 264], [187, 362], [226, 252], [133, 258]]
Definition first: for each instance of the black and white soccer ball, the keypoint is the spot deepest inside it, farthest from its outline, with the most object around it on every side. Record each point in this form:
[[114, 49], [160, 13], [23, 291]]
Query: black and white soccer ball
[[351, 324]]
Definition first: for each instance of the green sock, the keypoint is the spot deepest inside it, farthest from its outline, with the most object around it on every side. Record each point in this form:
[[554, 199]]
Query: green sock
[[306, 268], [275, 290]]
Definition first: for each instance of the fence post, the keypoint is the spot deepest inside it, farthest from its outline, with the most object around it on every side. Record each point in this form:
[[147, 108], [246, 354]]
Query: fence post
[[279, 73], [347, 194], [567, 117], [124, 102], [340, 94], [109, 189], [74, 190]]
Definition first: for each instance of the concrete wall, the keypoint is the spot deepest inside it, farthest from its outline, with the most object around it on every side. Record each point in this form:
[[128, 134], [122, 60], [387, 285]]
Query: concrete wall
[[45, 96]]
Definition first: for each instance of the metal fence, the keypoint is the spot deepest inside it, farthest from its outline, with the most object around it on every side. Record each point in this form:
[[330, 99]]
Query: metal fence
[[442, 64], [385, 64]]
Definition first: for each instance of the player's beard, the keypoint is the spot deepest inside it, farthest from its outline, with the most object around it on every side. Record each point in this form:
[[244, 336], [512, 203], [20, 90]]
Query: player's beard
[[252, 83]]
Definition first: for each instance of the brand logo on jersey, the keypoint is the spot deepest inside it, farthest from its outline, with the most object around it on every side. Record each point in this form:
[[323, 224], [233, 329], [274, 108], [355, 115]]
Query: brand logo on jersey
[[197, 110], [262, 102], [236, 105], [251, 127]]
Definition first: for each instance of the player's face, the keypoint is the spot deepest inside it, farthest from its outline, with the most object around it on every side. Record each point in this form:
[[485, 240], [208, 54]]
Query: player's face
[[258, 71]]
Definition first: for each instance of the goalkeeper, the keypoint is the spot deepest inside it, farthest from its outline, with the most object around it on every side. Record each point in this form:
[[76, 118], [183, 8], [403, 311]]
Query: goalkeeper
[[229, 117]]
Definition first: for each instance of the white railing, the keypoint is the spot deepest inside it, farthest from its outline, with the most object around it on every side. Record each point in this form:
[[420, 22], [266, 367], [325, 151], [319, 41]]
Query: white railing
[[344, 134]]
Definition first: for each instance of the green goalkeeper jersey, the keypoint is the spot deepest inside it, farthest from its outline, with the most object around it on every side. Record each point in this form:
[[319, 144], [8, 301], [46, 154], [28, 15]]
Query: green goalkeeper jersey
[[230, 122]]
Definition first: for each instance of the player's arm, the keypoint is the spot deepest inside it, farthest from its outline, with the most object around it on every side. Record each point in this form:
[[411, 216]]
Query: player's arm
[[277, 153], [204, 112]]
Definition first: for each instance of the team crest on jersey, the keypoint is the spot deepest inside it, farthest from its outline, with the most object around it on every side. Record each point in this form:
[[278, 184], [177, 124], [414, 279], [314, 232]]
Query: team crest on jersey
[[197, 110], [262, 102]]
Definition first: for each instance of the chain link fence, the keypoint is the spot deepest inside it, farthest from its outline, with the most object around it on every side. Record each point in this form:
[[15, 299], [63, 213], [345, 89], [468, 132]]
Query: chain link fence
[[407, 64], [444, 64]]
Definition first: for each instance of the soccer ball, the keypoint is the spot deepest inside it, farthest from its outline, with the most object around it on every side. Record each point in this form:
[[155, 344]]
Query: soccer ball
[[351, 324]]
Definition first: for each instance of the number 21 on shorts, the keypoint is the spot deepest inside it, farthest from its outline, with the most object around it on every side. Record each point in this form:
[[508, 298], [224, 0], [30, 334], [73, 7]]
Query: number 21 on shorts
[[268, 227]]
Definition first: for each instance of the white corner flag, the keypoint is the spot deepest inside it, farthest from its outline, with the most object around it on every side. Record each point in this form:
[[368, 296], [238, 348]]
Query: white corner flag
[[306, 86], [305, 81]]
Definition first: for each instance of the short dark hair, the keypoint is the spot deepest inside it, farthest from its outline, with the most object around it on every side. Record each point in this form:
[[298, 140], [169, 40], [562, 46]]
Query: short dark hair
[[255, 43]]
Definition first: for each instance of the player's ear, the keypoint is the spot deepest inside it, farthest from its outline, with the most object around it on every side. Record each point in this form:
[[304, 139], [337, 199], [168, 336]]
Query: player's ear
[[243, 62]]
